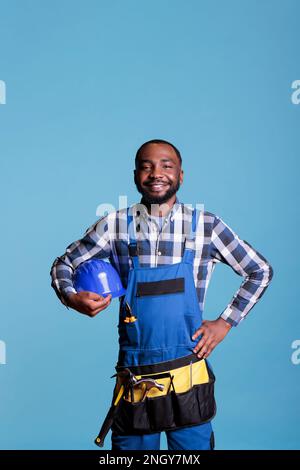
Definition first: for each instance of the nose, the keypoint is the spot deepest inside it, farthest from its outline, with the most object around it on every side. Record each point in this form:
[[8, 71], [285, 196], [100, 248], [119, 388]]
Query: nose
[[155, 172]]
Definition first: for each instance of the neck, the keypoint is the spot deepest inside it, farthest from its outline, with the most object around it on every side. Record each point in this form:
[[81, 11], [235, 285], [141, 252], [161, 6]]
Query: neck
[[160, 210]]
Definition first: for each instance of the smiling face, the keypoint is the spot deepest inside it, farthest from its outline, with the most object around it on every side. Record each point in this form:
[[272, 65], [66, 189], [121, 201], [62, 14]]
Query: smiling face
[[158, 174]]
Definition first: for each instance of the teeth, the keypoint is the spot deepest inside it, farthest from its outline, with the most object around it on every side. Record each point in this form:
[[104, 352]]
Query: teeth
[[157, 186]]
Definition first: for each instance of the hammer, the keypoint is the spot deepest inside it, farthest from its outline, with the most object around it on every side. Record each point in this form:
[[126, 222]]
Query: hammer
[[148, 384]]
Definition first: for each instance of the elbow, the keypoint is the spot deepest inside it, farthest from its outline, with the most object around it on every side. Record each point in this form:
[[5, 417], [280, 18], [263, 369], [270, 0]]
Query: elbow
[[263, 275], [271, 272], [268, 273], [53, 266]]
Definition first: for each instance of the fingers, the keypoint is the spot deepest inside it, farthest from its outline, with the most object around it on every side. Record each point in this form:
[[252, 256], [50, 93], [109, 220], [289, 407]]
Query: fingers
[[91, 303], [207, 349], [89, 295], [201, 347], [207, 343], [96, 306], [204, 348], [199, 332]]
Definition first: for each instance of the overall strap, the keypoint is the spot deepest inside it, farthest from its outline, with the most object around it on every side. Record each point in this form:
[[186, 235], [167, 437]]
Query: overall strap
[[189, 246], [132, 243]]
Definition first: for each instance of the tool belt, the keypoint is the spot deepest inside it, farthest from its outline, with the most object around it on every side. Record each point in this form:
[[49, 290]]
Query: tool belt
[[164, 396]]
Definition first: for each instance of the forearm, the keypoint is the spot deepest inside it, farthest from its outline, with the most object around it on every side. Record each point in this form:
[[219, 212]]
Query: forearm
[[247, 262], [61, 275], [95, 243], [250, 291]]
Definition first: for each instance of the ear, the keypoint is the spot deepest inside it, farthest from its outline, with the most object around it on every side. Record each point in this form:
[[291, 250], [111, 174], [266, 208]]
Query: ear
[[181, 176]]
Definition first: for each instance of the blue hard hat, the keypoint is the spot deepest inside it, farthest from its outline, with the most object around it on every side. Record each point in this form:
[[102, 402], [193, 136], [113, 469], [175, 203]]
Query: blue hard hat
[[96, 275]]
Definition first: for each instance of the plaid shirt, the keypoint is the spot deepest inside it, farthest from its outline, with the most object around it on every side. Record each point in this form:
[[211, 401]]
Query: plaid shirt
[[214, 242]]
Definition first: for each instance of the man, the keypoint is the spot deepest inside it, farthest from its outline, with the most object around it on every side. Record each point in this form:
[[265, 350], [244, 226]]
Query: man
[[165, 253]]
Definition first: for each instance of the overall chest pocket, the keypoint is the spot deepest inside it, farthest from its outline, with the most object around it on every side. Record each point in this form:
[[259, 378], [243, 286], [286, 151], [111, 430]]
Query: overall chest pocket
[[166, 286], [161, 307]]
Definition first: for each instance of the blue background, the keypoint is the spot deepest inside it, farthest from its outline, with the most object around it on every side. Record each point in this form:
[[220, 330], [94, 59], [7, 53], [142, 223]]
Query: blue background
[[87, 84]]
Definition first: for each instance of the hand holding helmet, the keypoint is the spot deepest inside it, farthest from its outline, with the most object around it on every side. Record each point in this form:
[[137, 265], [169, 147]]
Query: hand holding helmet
[[96, 282], [88, 303]]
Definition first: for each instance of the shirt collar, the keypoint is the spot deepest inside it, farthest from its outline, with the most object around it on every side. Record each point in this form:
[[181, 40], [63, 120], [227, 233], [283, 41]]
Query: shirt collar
[[141, 209]]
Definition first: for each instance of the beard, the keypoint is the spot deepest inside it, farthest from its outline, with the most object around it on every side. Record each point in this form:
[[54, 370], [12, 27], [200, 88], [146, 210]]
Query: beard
[[151, 199]]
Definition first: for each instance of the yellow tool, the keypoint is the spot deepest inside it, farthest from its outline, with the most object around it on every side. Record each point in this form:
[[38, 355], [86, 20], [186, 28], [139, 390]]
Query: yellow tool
[[182, 379], [146, 385], [129, 317]]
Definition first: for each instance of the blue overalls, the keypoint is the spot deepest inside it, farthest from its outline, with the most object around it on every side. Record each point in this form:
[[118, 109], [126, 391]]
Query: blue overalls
[[158, 316]]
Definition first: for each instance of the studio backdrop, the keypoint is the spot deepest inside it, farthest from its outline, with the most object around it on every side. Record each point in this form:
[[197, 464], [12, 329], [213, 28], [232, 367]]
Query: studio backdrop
[[82, 86]]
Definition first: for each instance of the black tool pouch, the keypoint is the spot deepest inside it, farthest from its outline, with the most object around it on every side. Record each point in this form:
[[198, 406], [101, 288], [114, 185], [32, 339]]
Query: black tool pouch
[[167, 412]]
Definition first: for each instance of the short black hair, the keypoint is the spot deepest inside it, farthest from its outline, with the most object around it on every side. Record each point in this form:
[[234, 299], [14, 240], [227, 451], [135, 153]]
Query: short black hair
[[157, 141]]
